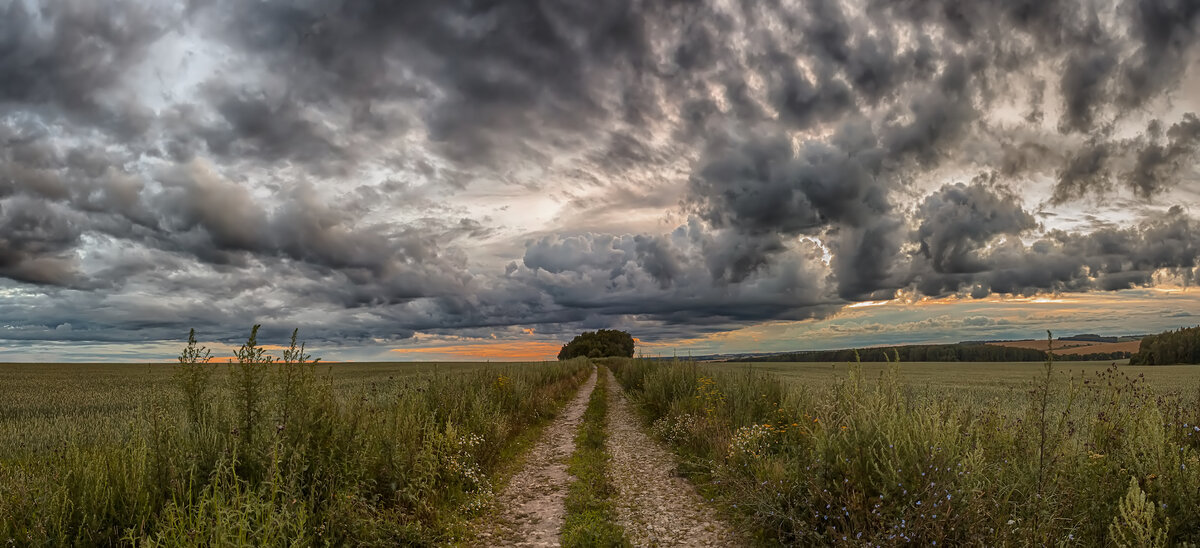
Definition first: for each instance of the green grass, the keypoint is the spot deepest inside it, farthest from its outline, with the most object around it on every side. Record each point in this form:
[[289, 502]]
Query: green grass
[[923, 453], [296, 454], [591, 517]]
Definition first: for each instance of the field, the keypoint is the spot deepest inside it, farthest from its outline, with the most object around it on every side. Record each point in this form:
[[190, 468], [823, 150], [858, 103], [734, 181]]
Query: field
[[1074, 347], [1082, 454], [266, 453], [42, 405], [980, 382], [953, 454]]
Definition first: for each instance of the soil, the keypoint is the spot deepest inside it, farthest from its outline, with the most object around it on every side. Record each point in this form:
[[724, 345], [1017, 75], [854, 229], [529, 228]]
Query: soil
[[531, 507], [654, 504]]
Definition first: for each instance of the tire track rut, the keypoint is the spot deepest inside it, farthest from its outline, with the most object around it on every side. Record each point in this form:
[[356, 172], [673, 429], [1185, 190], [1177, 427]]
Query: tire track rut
[[656, 507]]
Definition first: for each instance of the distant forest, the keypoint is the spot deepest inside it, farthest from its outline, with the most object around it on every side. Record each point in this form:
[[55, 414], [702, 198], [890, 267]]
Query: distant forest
[[1169, 347], [968, 352]]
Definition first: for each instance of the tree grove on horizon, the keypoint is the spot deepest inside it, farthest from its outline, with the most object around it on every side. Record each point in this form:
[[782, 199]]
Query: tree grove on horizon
[[602, 343]]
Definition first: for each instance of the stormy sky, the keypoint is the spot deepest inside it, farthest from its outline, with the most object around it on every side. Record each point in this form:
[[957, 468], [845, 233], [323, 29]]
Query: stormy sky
[[406, 180]]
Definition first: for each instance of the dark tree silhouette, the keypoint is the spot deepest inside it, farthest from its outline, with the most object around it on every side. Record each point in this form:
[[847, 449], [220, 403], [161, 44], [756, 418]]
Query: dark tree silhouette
[[962, 352], [599, 344], [1169, 347]]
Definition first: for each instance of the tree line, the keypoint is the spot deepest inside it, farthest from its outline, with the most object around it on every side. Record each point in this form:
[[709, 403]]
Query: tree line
[[974, 352], [1169, 347]]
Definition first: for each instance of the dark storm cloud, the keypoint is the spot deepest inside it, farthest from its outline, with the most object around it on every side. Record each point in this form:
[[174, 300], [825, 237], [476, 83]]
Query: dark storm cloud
[[1159, 166], [481, 73], [35, 238], [1086, 171], [959, 219], [269, 128], [1165, 33], [1149, 165], [765, 192], [969, 242], [762, 187], [49, 200], [1083, 86], [802, 138], [65, 54], [669, 278]]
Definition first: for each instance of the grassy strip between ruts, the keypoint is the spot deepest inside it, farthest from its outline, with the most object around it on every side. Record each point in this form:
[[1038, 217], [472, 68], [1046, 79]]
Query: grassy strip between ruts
[[591, 516]]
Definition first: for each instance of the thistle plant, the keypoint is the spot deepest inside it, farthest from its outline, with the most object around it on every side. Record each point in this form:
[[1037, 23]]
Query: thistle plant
[[296, 377], [193, 375], [249, 379]]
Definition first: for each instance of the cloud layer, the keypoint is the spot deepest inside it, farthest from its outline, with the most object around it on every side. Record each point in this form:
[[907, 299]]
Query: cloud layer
[[369, 170]]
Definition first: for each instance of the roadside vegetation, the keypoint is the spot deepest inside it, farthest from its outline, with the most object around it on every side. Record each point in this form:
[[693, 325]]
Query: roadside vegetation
[[271, 451], [280, 450], [591, 517], [1086, 460]]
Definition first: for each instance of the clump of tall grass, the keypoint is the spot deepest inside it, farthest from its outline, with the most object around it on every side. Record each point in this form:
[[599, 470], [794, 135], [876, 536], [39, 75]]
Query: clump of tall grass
[[276, 455], [883, 464]]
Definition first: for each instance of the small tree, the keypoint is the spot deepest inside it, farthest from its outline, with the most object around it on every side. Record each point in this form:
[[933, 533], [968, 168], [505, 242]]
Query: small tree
[[192, 375]]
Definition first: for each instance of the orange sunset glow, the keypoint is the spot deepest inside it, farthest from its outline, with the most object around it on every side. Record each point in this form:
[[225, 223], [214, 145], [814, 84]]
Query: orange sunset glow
[[513, 351]]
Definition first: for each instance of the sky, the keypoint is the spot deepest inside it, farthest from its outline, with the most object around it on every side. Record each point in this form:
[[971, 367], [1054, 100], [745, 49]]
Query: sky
[[472, 180]]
